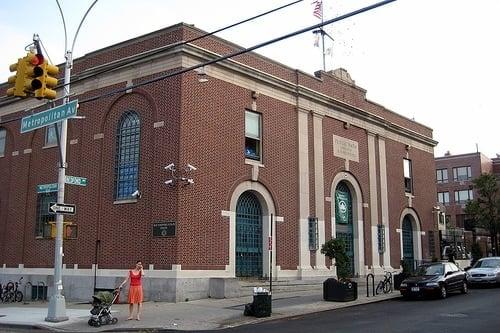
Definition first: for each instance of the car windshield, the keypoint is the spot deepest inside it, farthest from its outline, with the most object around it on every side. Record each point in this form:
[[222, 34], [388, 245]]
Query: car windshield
[[431, 270], [488, 263]]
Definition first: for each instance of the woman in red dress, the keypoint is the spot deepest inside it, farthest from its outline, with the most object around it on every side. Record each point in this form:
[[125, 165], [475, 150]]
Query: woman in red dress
[[135, 295]]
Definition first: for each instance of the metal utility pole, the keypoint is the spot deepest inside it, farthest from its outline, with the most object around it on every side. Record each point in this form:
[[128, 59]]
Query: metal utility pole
[[57, 302]]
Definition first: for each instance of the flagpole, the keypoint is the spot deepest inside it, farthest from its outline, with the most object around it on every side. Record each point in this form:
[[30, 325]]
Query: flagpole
[[323, 37]]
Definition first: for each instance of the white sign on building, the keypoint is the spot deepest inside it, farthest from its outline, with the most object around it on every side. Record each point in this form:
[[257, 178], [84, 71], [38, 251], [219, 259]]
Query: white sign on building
[[345, 148]]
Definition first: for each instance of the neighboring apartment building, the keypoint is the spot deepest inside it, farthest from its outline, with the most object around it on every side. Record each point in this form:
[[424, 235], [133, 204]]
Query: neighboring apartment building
[[454, 175], [277, 152]]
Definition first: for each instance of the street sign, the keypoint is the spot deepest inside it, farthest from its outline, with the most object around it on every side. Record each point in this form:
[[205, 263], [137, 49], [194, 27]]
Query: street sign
[[74, 180], [56, 208], [48, 117], [46, 188]]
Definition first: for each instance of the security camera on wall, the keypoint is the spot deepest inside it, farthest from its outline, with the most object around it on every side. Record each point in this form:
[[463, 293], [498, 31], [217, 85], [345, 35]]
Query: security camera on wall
[[170, 167], [190, 167], [169, 182], [136, 194]]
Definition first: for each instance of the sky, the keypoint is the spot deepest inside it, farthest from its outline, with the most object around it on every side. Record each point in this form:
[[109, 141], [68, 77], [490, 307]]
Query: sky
[[434, 61]]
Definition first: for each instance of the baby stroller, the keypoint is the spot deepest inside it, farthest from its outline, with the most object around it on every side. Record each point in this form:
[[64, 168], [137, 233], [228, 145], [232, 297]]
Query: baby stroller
[[101, 308]]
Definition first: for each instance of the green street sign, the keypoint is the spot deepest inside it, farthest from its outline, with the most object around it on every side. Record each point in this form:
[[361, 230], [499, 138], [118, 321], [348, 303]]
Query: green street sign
[[46, 188], [73, 180], [48, 117]]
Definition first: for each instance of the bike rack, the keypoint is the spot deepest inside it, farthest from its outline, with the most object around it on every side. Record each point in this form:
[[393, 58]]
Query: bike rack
[[25, 291], [368, 285]]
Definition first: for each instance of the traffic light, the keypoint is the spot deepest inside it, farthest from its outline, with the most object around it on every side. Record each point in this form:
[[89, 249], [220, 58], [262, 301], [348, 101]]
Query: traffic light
[[18, 81], [34, 75], [42, 77]]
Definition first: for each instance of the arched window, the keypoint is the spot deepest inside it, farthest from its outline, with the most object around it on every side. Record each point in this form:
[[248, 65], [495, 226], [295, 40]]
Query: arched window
[[3, 135], [127, 155]]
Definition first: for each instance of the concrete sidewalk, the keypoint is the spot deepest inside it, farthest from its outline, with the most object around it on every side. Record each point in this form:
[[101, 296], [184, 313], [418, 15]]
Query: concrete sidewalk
[[205, 314]]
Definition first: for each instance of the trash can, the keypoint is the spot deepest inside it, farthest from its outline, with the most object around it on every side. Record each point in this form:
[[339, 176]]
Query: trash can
[[261, 305]]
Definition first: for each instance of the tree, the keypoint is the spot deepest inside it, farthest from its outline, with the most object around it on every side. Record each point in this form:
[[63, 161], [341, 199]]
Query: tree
[[335, 249], [485, 209]]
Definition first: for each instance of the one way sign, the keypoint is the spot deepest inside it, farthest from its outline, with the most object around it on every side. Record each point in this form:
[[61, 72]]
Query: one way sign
[[55, 208]]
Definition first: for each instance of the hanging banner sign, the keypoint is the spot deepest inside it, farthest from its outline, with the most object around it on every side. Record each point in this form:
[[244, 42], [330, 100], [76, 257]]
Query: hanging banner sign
[[342, 207]]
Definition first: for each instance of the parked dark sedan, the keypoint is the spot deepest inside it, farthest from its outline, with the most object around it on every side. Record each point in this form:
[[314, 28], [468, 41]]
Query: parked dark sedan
[[435, 279]]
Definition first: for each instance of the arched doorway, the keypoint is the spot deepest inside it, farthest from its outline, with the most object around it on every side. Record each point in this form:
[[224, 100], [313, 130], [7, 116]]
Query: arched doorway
[[408, 247], [248, 236], [344, 220]]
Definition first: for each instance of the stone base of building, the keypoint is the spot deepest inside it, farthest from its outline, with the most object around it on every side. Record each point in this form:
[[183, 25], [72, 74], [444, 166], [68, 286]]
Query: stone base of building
[[173, 285]]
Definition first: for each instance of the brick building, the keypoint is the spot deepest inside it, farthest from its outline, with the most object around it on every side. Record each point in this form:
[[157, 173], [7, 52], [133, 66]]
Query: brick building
[[454, 175], [276, 151]]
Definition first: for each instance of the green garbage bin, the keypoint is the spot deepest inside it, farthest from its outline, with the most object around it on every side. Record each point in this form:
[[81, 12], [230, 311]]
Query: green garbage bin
[[261, 305]]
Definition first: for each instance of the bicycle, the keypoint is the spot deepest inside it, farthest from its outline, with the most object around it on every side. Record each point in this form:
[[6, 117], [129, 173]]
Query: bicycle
[[385, 285], [11, 293]]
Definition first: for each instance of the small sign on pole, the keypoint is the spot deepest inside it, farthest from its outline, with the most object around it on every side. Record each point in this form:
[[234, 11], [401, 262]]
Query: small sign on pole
[[46, 188], [57, 208]]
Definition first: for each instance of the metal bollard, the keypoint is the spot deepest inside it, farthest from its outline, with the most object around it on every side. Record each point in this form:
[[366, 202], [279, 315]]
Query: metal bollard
[[26, 291], [368, 286]]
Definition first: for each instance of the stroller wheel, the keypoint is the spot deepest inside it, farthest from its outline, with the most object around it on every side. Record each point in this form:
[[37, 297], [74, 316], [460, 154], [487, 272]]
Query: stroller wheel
[[90, 322], [114, 321], [97, 323]]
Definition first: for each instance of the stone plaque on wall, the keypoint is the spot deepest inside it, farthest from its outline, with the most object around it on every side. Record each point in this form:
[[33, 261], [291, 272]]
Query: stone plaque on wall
[[345, 148]]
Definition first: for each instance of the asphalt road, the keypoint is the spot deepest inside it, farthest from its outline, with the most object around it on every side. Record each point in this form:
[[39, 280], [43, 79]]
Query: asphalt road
[[478, 311]]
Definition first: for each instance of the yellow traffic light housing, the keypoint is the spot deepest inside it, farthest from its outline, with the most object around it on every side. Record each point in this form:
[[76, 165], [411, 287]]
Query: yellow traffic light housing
[[34, 75], [18, 81], [45, 81], [70, 230]]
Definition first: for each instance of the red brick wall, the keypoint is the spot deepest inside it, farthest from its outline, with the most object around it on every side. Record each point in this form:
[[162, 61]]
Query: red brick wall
[[204, 126], [423, 173], [478, 166]]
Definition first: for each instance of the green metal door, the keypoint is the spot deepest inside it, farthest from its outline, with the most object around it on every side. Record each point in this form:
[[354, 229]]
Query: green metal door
[[408, 242], [343, 220], [248, 236]]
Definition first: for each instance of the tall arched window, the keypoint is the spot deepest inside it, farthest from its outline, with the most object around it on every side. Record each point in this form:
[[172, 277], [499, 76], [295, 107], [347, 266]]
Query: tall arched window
[[127, 155], [3, 135]]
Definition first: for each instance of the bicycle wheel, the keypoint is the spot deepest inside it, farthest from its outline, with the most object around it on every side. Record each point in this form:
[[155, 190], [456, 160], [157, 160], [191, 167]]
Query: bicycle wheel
[[8, 297], [380, 288], [19, 296], [9, 286], [387, 287]]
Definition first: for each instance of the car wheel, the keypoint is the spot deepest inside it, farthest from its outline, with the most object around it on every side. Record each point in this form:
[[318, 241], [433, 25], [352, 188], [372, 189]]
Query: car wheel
[[443, 293]]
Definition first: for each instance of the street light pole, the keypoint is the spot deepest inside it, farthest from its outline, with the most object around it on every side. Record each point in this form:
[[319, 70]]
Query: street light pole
[[57, 302]]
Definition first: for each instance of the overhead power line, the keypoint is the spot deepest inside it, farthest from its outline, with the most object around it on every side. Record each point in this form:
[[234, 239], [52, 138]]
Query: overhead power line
[[231, 55], [237, 53], [123, 64]]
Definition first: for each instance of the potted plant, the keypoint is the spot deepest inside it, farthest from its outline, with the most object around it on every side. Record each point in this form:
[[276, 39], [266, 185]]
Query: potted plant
[[405, 272], [342, 289]]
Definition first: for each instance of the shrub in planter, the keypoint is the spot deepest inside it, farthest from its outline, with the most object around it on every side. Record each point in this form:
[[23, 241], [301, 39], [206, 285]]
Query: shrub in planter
[[343, 289]]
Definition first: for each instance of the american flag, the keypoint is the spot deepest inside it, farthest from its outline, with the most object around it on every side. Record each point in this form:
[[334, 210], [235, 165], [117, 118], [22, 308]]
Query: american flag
[[318, 9]]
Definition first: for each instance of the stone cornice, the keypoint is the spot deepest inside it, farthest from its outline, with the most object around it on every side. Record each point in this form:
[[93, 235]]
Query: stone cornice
[[178, 55]]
